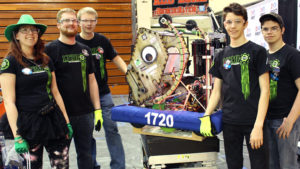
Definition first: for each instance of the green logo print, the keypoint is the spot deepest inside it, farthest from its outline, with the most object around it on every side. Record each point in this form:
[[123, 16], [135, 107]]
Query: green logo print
[[245, 75], [37, 69], [78, 58], [275, 63], [71, 58], [243, 61], [5, 64], [275, 66]]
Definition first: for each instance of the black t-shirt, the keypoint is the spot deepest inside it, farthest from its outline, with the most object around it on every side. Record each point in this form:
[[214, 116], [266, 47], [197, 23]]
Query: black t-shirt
[[33, 83], [73, 64], [240, 68], [285, 69], [101, 50]]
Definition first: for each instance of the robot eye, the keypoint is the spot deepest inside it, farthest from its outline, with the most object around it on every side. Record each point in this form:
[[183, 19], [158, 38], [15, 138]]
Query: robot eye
[[149, 54]]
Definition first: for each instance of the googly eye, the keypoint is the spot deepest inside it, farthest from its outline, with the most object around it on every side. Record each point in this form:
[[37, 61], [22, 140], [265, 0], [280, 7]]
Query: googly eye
[[149, 54]]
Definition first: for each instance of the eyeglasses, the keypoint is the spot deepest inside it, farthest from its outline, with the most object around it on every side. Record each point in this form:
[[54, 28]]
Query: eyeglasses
[[89, 21], [68, 21], [236, 22], [28, 30], [272, 29]]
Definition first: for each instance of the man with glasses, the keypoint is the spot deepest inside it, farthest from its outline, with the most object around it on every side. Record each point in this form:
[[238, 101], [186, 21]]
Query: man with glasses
[[283, 115], [241, 77], [103, 50], [76, 81]]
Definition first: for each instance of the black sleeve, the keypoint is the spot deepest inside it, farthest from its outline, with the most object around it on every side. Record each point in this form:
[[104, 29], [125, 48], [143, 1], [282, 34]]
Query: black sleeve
[[261, 61], [47, 49], [294, 63], [110, 51], [9, 65], [214, 70], [51, 66], [90, 62], [52, 51]]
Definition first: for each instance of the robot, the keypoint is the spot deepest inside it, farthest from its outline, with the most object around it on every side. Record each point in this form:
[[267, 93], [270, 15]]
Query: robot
[[163, 98]]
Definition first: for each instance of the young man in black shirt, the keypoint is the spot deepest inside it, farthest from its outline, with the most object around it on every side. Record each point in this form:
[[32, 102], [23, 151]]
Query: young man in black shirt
[[76, 81], [241, 75], [102, 50], [283, 122]]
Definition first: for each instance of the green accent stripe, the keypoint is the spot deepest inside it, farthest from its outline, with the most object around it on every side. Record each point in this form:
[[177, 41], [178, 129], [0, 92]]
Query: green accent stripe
[[83, 71], [48, 87], [245, 79], [273, 89], [102, 70]]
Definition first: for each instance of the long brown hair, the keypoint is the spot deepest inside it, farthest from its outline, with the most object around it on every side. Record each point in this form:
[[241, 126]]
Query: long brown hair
[[38, 53]]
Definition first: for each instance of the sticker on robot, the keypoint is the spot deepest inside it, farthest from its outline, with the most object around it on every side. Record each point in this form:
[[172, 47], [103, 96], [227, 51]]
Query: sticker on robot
[[153, 40], [151, 70]]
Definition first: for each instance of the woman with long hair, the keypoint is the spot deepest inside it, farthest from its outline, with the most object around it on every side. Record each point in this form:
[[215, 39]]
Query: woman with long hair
[[34, 106]]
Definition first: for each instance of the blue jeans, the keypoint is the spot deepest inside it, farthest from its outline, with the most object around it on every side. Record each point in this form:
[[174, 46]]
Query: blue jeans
[[83, 127], [283, 152], [113, 138]]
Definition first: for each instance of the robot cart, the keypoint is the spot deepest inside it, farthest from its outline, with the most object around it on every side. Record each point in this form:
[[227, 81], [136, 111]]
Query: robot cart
[[164, 152], [181, 148]]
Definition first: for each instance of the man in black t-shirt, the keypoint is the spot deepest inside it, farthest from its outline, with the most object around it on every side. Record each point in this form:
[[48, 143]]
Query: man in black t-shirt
[[241, 75], [283, 115], [76, 81], [102, 50]]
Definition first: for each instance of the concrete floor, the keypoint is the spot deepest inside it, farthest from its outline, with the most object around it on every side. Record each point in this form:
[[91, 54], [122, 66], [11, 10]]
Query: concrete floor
[[132, 147]]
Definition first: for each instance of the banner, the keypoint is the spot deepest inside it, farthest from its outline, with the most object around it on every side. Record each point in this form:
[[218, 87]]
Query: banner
[[253, 31], [179, 7], [298, 27]]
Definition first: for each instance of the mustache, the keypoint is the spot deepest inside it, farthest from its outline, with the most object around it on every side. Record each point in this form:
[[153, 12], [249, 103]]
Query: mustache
[[69, 33]]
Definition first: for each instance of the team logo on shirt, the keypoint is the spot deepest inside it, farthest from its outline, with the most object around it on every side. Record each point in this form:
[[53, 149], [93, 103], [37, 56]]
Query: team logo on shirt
[[26, 71], [73, 58], [97, 52], [275, 63], [274, 77], [244, 57], [38, 69], [100, 50], [275, 66], [5, 64], [85, 52], [236, 60], [227, 64], [34, 70], [81, 57], [243, 61], [98, 56]]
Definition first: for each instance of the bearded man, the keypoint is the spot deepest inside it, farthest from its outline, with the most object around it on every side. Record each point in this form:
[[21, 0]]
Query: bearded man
[[76, 81]]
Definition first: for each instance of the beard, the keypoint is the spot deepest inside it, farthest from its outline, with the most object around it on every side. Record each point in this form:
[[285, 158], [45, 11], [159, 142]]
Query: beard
[[67, 33]]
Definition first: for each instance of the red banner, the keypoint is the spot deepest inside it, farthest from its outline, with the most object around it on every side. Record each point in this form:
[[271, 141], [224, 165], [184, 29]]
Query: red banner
[[179, 7]]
